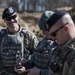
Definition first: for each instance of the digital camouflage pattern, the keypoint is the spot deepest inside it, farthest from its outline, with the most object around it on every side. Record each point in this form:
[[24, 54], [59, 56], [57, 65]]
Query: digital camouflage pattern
[[67, 57], [13, 47], [43, 54]]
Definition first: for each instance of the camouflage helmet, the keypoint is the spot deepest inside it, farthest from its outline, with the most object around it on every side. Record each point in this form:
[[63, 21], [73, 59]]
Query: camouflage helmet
[[44, 18]]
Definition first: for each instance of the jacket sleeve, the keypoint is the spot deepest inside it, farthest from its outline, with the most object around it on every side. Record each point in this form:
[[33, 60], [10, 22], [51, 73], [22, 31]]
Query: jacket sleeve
[[30, 41], [46, 72], [71, 65]]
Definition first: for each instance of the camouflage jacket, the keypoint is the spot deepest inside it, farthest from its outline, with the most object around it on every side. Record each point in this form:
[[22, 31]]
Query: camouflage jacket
[[29, 44], [44, 55], [67, 58]]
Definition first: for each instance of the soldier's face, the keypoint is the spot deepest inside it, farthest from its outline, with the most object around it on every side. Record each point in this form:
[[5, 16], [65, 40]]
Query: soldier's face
[[59, 33], [12, 23]]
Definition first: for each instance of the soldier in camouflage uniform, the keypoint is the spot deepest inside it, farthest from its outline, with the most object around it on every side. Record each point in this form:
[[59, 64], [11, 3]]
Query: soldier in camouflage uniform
[[62, 29], [16, 43], [45, 56]]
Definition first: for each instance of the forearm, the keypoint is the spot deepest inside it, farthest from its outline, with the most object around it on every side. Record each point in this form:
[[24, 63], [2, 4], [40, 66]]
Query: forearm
[[46, 72]]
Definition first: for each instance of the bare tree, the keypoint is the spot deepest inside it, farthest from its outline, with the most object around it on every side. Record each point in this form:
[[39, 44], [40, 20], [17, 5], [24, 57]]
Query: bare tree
[[37, 5]]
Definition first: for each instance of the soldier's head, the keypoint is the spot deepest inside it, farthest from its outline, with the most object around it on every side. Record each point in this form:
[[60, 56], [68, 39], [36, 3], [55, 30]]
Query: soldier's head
[[10, 17], [61, 27], [42, 23]]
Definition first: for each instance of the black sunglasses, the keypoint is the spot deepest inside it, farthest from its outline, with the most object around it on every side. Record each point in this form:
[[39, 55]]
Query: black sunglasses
[[9, 18], [55, 32]]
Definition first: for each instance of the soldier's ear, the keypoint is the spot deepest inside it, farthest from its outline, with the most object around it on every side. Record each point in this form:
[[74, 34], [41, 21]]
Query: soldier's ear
[[66, 27]]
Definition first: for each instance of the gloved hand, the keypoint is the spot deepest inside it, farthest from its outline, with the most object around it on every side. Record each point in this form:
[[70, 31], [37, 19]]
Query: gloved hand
[[54, 66]]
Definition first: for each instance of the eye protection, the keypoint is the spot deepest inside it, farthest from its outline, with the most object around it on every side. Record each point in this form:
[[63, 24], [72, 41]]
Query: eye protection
[[55, 32], [9, 18]]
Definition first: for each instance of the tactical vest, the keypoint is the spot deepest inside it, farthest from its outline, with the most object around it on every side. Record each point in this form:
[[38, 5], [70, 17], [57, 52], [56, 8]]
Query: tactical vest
[[12, 48], [41, 60], [43, 54]]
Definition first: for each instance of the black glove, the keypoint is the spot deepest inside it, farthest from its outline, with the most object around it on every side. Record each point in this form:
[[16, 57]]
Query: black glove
[[54, 66]]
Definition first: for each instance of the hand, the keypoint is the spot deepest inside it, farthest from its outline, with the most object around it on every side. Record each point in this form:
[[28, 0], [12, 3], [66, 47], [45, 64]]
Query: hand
[[20, 69], [34, 71]]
